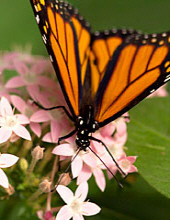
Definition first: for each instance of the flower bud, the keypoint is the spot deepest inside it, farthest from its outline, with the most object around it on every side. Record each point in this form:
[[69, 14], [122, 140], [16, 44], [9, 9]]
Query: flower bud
[[48, 215], [65, 179], [23, 164], [37, 153], [45, 186]]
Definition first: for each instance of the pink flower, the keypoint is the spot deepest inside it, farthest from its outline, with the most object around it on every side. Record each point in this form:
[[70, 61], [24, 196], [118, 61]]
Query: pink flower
[[118, 125], [10, 122], [31, 77], [70, 150], [76, 207], [6, 160], [126, 164], [28, 109]]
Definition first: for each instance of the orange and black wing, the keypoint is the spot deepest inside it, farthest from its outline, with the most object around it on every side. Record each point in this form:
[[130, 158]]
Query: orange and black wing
[[103, 46], [136, 68], [67, 38]]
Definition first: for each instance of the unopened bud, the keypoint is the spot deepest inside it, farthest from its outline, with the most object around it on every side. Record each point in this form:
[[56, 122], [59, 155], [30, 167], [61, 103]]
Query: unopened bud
[[37, 153], [45, 186], [48, 215], [10, 190], [65, 179], [23, 164]]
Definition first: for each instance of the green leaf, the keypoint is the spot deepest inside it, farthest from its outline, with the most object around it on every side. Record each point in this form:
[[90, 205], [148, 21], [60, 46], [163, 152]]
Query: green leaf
[[137, 200], [149, 139]]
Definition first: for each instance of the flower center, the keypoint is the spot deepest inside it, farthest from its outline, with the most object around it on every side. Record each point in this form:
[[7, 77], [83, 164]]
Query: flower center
[[116, 151], [10, 121], [76, 206], [125, 164], [30, 78]]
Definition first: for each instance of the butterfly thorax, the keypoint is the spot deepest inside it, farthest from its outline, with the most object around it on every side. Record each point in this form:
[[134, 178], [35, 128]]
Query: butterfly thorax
[[85, 125]]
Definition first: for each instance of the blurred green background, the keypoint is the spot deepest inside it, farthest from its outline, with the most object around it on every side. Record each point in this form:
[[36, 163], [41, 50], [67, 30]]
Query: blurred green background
[[138, 200]]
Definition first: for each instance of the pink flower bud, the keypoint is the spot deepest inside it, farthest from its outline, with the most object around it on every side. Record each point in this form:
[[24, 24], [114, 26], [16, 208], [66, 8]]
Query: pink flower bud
[[65, 179], [45, 186], [37, 153]]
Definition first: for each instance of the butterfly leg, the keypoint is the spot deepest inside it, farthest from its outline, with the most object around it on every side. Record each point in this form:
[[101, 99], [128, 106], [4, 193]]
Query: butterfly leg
[[55, 107], [67, 136], [99, 141]]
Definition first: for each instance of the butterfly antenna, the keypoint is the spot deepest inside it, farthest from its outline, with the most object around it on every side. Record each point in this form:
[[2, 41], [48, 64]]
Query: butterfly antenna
[[66, 170], [99, 141], [106, 167]]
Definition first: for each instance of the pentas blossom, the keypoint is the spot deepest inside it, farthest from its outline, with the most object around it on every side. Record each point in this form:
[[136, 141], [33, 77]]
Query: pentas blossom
[[70, 150], [59, 123], [10, 122], [28, 110], [86, 163], [36, 81], [30, 77], [125, 163], [6, 160], [76, 206]]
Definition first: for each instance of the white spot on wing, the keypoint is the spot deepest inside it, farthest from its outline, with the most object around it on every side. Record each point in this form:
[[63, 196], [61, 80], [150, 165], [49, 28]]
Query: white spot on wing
[[167, 78], [51, 58], [44, 38], [37, 19], [153, 90]]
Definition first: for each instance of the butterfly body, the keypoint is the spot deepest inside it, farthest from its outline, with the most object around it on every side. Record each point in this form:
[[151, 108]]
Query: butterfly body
[[85, 126]]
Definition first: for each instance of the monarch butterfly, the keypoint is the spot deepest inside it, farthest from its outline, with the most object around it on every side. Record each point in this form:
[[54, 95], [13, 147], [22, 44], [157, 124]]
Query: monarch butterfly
[[102, 74]]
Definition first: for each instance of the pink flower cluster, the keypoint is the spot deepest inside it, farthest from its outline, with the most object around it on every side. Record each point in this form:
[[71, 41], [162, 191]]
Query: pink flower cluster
[[34, 79]]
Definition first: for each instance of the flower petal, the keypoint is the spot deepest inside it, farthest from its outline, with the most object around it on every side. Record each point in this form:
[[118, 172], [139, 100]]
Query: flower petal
[[40, 116], [21, 131], [76, 166], [64, 150], [3, 179], [15, 82], [65, 193], [5, 107], [78, 217], [84, 175], [18, 103], [132, 159], [64, 213], [133, 169], [89, 160], [36, 128], [55, 130], [89, 208], [100, 178], [5, 134], [33, 90], [7, 160], [22, 119], [47, 138], [81, 191]]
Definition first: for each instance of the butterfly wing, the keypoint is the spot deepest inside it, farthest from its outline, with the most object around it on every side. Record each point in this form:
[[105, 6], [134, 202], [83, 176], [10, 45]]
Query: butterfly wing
[[67, 38], [136, 68], [103, 45]]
